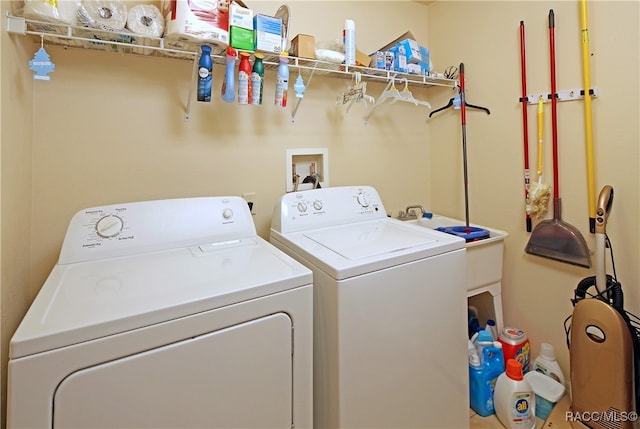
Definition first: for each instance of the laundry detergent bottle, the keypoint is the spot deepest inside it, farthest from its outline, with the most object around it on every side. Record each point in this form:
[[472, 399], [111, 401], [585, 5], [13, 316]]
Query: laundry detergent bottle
[[513, 397], [547, 364], [228, 85], [483, 374], [205, 74]]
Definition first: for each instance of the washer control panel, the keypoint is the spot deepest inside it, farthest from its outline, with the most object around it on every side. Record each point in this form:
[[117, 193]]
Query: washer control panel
[[125, 229], [316, 208]]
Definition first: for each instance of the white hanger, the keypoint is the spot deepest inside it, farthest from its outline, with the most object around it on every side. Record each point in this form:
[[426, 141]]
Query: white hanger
[[407, 95], [392, 94]]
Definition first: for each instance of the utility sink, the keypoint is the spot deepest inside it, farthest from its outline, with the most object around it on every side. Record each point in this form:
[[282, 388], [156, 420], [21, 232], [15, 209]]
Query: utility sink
[[484, 257]]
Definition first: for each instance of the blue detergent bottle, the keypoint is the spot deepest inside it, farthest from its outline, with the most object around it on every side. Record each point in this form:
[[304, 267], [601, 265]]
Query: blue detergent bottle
[[205, 74], [482, 379]]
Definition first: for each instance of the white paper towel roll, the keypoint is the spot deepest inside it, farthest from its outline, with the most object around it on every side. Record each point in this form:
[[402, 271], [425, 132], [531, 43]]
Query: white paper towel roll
[[108, 15], [61, 11], [145, 20]]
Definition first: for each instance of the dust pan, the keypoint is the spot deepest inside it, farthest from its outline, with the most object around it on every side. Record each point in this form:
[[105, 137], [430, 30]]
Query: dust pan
[[554, 238]]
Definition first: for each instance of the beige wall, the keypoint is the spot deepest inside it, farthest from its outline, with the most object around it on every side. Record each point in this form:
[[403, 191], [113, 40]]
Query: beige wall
[[485, 36], [16, 125], [110, 128]]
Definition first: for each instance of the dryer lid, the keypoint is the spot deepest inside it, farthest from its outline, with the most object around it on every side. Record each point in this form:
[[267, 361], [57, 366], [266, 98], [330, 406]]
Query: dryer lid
[[89, 300]]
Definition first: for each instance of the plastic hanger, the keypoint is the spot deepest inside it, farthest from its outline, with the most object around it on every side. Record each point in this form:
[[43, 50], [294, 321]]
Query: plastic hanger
[[456, 105], [406, 95], [392, 94], [355, 93]]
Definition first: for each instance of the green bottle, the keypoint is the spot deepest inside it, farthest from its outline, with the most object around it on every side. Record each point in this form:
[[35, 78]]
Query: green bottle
[[257, 78]]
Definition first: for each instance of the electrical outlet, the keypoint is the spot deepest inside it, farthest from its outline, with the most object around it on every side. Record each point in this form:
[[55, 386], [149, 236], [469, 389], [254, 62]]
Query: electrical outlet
[[250, 197]]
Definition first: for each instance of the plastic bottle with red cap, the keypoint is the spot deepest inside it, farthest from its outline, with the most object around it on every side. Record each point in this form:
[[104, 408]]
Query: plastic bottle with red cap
[[514, 399]]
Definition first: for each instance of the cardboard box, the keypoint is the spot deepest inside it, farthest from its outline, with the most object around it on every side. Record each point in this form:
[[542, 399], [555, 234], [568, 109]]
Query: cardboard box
[[412, 50], [267, 33], [362, 59], [394, 42], [425, 62], [303, 46], [241, 17], [241, 38]]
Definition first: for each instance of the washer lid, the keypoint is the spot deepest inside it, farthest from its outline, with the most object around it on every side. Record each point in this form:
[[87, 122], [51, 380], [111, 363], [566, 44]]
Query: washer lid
[[364, 240], [363, 247], [84, 301]]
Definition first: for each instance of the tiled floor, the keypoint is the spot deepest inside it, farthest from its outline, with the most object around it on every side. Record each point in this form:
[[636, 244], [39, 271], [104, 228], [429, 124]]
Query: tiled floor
[[490, 422]]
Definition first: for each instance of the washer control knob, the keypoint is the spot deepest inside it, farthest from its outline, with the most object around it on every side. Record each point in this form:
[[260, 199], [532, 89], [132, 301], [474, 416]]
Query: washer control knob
[[302, 207], [227, 213], [317, 204], [363, 200], [109, 226]]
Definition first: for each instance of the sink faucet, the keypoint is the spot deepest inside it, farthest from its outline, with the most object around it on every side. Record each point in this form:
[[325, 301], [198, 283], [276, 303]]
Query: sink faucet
[[410, 214]]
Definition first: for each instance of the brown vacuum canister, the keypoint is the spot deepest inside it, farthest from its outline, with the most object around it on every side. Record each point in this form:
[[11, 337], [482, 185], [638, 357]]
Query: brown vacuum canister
[[601, 361]]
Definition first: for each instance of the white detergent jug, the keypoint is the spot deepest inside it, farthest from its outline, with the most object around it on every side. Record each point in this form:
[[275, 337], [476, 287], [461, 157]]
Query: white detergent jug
[[547, 364], [514, 400]]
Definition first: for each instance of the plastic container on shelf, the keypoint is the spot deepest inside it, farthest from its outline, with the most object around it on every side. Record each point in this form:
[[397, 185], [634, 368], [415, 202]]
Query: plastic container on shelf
[[244, 79], [547, 391], [205, 74], [547, 364], [257, 79], [349, 37], [482, 379], [228, 85], [515, 345], [282, 81], [514, 399]]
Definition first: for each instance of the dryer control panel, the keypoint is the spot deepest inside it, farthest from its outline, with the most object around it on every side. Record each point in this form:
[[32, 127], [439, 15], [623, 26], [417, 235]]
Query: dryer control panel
[[131, 228], [316, 208]]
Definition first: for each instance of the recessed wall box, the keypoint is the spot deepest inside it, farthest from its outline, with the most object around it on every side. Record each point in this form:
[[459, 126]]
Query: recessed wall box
[[307, 162]]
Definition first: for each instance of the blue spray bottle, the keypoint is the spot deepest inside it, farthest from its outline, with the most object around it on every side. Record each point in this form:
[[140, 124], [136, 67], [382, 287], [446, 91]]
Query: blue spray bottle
[[228, 86], [205, 74]]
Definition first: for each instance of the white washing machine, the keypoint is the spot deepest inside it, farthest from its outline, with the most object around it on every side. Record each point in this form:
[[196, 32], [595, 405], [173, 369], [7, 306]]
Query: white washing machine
[[390, 311], [170, 313]]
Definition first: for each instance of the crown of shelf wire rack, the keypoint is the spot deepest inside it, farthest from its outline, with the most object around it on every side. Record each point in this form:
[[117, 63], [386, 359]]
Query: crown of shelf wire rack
[[125, 42]]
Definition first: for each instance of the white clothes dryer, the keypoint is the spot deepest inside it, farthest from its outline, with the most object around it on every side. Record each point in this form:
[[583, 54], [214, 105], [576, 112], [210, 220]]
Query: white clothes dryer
[[390, 311], [166, 314]]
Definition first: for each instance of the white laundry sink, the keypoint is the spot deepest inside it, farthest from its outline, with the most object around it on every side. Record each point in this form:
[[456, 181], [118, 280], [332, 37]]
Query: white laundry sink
[[484, 257]]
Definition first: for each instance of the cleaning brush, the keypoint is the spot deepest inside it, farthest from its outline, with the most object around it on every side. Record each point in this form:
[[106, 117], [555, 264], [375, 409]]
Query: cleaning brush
[[539, 193]]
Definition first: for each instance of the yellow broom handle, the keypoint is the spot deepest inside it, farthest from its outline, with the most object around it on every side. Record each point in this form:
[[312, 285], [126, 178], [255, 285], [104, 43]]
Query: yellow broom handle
[[540, 132], [586, 79]]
